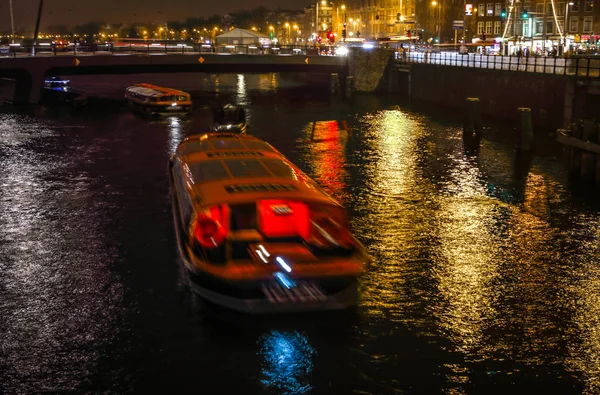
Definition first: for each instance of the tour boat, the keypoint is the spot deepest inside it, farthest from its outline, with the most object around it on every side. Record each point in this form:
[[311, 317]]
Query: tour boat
[[158, 100], [257, 235], [57, 84], [59, 90], [230, 119]]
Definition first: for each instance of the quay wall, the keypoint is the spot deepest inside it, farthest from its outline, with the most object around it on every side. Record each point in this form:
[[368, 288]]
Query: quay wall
[[500, 92], [555, 100]]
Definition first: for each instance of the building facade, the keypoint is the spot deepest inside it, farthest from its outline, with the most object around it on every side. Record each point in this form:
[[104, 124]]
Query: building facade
[[540, 27]]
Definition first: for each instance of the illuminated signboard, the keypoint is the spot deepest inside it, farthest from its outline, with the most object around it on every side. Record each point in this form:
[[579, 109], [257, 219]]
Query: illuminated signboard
[[468, 9], [281, 209]]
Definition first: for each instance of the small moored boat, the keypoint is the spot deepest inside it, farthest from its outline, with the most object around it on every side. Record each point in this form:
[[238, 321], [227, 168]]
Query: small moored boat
[[231, 119], [57, 84], [255, 233], [59, 90], [158, 100]]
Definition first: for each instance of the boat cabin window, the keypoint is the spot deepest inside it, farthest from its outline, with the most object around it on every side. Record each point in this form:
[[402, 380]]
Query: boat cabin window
[[211, 170], [173, 98], [185, 203], [243, 216], [247, 168], [194, 146], [279, 168], [227, 144], [258, 146]]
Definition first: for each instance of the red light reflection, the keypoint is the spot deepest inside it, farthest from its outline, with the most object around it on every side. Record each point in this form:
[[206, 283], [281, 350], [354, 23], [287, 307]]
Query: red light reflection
[[327, 149]]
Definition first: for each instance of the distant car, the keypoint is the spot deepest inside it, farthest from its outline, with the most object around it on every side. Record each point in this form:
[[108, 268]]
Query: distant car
[[60, 46]]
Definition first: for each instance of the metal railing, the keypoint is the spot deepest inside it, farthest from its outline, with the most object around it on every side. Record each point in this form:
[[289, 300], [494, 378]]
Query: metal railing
[[576, 66]]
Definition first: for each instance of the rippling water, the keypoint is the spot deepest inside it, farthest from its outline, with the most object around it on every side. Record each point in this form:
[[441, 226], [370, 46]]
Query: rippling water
[[486, 276]]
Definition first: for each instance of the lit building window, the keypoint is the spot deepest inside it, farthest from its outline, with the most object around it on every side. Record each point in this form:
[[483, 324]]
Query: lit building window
[[539, 27], [497, 9], [481, 10], [539, 8], [480, 27], [488, 27], [497, 27], [573, 24], [519, 28], [575, 6], [589, 6], [587, 24], [490, 9]]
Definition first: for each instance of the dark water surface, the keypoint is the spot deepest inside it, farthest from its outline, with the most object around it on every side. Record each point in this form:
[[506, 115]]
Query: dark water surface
[[486, 277]]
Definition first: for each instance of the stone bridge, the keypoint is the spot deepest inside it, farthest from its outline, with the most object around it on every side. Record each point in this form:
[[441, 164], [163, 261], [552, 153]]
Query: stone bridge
[[28, 73]]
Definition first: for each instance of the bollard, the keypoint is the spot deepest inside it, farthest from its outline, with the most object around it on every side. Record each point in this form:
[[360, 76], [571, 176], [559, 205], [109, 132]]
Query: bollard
[[525, 132], [575, 154], [473, 124], [349, 87], [335, 83]]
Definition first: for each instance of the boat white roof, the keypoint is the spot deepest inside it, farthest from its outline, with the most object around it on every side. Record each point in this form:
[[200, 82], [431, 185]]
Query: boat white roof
[[241, 33], [146, 91]]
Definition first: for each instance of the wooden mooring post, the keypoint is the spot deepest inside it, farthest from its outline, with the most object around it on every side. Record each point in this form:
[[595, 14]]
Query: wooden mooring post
[[472, 127], [334, 84], [583, 140], [349, 87], [525, 130], [473, 124]]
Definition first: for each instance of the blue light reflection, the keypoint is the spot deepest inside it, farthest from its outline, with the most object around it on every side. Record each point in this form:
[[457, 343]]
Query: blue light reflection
[[288, 362]]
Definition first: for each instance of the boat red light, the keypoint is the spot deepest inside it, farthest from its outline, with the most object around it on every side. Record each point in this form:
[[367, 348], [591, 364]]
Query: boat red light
[[208, 228], [282, 218]]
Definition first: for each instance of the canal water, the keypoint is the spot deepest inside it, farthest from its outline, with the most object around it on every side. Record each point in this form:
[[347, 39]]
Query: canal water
[[485, 279]]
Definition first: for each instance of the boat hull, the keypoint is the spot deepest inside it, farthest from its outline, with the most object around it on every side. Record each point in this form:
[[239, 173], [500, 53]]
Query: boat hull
[[268, 297]]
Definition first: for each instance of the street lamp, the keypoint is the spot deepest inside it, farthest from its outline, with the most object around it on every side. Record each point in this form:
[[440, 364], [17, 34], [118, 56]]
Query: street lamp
[[566, 29], [37, 25], [337, 16], [12, 21], [436, 15]]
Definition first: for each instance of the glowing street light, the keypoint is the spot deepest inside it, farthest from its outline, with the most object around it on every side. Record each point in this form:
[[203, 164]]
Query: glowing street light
[[436, 13]]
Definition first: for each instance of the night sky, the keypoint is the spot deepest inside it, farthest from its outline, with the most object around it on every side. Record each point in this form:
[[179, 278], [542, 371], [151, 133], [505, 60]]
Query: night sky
[[74, 12]]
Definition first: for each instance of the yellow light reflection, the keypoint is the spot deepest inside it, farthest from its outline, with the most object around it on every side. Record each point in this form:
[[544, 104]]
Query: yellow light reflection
[[242, 90], [393, 185]]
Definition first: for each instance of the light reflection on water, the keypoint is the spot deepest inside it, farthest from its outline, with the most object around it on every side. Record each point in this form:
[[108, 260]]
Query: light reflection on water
[[175, 133], [325, 154], [485, 277], [57, 304], [287, 362]]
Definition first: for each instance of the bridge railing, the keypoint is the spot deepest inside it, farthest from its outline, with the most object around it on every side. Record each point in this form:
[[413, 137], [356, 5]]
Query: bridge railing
[[576, 66], [146, 48]]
